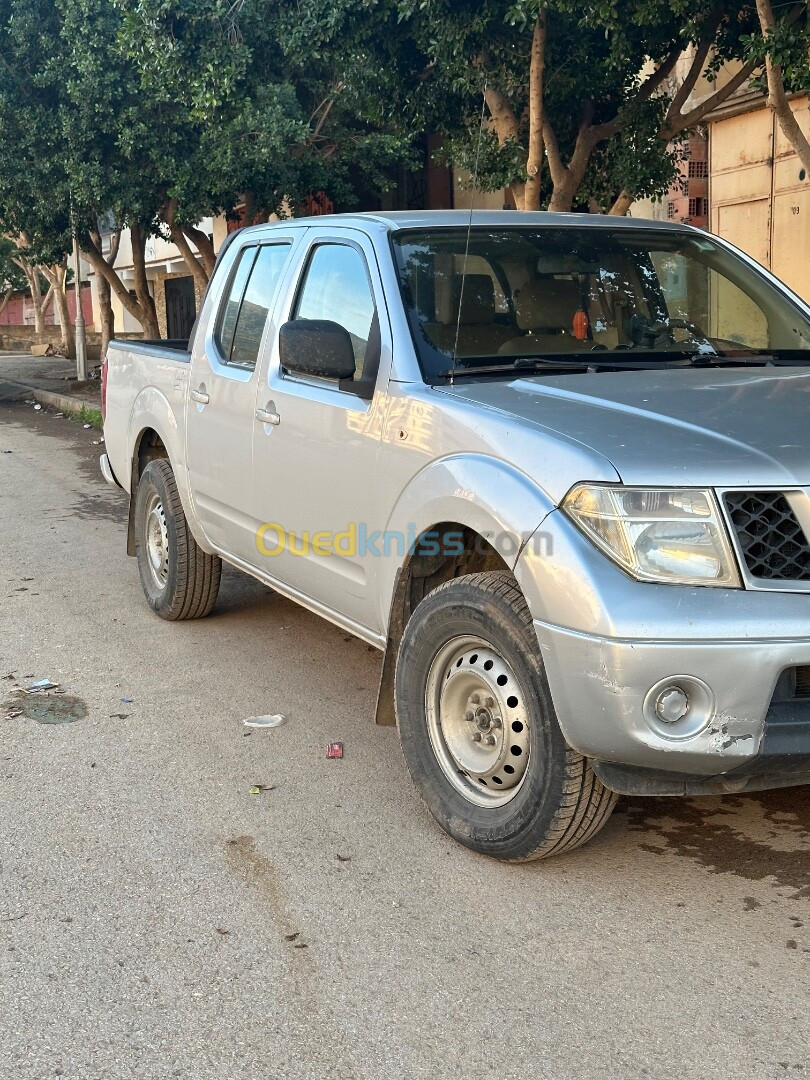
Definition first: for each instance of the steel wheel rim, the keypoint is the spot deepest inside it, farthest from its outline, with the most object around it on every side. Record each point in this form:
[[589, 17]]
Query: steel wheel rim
[[483, 746], [157, 541]]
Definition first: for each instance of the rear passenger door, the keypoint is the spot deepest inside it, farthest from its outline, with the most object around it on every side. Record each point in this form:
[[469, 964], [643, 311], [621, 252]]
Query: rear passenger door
[[223, 381]]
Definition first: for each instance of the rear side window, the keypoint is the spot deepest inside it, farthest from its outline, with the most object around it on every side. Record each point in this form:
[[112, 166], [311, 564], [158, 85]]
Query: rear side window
[[244, 310]]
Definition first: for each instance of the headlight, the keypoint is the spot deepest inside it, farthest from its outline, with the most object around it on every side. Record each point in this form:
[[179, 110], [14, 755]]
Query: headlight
[[660, 534]]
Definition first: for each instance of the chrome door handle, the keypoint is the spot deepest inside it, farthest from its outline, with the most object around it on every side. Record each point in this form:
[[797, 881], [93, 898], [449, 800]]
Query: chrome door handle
[[268, 417], [199, 395]]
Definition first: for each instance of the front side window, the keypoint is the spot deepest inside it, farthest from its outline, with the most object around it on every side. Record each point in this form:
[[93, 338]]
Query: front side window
[[336, 288], [578, 294], [244, 311]]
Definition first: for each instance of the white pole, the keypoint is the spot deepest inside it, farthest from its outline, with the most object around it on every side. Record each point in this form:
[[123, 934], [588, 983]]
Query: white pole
[[81, 339]]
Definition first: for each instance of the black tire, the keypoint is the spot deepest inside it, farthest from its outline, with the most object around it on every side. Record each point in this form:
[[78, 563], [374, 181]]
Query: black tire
[[184, 585], [559, 803]]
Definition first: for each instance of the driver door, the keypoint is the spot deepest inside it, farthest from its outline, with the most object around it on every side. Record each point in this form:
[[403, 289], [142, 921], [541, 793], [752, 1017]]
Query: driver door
[[317, 488]]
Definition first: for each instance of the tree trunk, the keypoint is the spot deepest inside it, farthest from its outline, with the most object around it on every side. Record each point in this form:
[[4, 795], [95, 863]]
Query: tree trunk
[[7, 295], [32, 277], [623, 202], [562, 197], [777, 98], [534, 161], [106, 312], [204, 246], [148, 318], [506, 128], [68, 333], [198, 271], [145, 314], [56, 276], [108, 274]]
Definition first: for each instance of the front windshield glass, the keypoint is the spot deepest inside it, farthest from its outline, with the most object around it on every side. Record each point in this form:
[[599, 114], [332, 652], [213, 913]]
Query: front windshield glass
[[586, 295]]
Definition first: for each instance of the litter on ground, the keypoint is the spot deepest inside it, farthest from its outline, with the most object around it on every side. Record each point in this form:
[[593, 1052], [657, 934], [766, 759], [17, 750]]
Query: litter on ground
[[270, 721]]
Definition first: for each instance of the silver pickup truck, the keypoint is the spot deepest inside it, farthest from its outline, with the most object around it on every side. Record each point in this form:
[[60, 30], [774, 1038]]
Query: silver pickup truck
[[555, 467]]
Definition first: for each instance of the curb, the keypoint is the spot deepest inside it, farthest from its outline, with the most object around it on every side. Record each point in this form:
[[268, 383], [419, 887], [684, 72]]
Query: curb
[[65, 402]]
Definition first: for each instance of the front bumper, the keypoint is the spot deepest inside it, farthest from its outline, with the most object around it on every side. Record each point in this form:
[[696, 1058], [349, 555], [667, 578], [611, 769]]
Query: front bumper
[[610, 643], [749, 732]]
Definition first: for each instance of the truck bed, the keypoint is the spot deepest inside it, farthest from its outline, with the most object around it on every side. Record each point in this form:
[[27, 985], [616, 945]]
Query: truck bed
[[144, 377]]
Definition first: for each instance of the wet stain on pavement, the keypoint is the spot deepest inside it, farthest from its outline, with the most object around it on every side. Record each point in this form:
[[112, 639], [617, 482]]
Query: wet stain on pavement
[[759, 837], [259, 872], [48, 708]]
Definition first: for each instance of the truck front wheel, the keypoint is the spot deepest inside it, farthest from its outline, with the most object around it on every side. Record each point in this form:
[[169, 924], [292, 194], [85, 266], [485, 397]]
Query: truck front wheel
[[179, 579], [478, 727]]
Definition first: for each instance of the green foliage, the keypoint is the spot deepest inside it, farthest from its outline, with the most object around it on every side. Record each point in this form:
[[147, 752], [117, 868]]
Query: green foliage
[[276, 119], [787, 45]]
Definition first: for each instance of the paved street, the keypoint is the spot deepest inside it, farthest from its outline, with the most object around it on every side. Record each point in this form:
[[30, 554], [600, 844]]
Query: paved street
[[158, 920], [53, 373]]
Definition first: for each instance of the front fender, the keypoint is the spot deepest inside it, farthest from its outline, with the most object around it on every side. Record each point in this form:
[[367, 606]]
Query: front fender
[[491, 497]]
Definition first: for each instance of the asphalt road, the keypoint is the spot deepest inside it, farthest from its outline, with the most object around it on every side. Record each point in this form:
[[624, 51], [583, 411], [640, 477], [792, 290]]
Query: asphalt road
[[158, 920]]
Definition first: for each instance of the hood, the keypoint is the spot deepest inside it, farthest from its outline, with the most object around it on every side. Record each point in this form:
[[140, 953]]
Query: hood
[[707, 428]]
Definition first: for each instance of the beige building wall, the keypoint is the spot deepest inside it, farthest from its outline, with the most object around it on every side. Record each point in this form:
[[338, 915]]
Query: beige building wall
[[759, 195]]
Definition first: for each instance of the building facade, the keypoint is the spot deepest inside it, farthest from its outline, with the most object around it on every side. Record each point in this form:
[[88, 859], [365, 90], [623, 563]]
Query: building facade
[[759, 192]]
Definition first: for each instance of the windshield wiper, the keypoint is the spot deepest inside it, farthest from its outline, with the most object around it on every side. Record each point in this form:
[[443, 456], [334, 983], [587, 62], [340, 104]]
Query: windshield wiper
[[599, 361], [523, 364], [775, 358], [632, 360]]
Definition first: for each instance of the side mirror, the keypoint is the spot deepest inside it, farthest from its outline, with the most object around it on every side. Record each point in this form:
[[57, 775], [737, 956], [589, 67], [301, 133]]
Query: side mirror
[[316, 347]]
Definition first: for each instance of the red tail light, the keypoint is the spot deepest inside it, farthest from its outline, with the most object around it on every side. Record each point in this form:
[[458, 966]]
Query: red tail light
[[104, 367]]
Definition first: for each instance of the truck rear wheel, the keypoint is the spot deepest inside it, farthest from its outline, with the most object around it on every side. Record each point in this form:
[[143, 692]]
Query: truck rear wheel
[[478, 727], [179, 579]]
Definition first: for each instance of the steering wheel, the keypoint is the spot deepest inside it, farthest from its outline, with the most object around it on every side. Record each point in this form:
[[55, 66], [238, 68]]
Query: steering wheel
[[652, 332]]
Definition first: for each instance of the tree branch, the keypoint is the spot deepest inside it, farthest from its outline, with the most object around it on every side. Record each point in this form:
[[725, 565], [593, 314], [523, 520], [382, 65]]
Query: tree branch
[[503, 116], [692, 76], [658, 77], [555, 162], [534, 160], [101, 267], [777, 98], [203, 245], [673, 124], [115, 244], [624, 200], [190, 259]]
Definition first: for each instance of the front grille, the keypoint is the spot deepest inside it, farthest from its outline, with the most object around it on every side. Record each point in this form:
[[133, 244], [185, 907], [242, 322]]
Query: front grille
[[803, 681], [772, 541]]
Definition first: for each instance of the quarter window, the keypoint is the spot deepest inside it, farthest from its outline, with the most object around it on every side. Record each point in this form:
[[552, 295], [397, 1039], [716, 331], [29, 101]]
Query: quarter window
[[244, 313], [336, 287]]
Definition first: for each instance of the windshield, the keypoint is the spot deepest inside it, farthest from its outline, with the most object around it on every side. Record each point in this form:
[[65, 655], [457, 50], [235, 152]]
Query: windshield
[[580, 295]]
